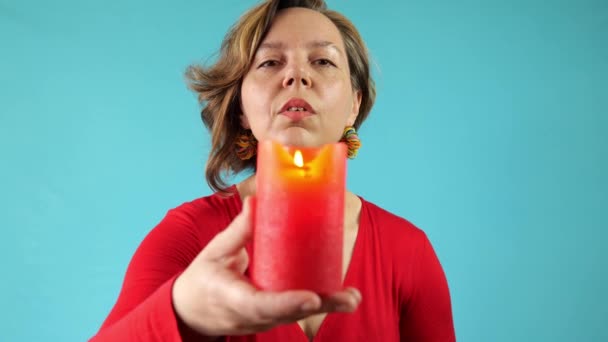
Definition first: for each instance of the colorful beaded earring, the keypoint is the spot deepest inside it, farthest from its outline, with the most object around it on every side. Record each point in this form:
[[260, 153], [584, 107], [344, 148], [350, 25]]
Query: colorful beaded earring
[[351, 139], [246, 145]]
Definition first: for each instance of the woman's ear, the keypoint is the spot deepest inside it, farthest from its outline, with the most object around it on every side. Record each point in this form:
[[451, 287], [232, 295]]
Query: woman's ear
[[352, 117], [242, 117], [244, 121]]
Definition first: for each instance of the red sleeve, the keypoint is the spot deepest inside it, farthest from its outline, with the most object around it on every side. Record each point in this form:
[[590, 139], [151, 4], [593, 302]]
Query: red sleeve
[[427, 314], [144, 309]]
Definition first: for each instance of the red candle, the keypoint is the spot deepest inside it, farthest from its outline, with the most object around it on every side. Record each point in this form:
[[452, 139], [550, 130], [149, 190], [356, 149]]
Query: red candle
[[299, 218]]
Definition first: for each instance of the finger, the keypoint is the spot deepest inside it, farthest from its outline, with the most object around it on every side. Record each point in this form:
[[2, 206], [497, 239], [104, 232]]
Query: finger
[[232, 239], [355, 293], [286, 306], [346, 300], [267, 307]]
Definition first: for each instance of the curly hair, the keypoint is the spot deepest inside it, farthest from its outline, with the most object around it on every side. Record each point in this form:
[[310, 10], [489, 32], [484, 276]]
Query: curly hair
[[218, 85]]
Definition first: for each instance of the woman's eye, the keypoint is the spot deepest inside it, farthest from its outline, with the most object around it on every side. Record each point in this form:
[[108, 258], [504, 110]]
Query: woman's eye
[[269, 63], [324, 62]]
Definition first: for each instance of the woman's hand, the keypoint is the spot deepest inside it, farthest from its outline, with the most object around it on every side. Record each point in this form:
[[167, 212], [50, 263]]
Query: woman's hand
[[213, 297]]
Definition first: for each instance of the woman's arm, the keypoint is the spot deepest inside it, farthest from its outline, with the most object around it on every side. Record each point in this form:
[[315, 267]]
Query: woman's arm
[[427, 313], [144, 309]]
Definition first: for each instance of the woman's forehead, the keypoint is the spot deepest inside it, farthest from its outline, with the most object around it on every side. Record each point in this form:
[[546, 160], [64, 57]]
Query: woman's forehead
[[302, 27]]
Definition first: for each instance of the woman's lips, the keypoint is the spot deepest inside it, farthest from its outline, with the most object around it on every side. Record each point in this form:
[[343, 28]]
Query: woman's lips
[[296, 115], [296, 109]]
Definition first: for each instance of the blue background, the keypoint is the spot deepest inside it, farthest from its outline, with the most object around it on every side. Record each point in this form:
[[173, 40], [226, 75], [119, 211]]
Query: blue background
[[489, 133]]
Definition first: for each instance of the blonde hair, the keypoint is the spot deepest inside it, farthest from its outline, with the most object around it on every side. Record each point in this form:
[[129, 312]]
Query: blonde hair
[[218, 86]]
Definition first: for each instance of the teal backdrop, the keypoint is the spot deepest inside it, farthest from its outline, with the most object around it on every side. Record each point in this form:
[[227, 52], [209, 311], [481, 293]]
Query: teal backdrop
[[489, 133]]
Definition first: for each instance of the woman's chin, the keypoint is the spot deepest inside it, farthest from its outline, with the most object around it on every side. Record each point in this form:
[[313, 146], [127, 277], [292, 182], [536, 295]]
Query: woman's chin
[[297, 136]]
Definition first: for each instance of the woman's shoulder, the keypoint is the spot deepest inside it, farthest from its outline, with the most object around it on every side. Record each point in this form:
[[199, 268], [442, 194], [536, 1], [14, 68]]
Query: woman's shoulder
[[216, 207], [392, 227]]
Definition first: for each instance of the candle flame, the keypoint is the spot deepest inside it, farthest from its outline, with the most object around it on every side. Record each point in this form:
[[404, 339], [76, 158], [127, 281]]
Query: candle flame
[[298, 159]]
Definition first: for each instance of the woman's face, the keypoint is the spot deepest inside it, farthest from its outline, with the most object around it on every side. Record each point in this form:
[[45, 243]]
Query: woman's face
[[298, 89]]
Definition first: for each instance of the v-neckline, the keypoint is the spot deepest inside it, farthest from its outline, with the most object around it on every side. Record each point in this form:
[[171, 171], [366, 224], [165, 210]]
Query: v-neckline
[[330, 317]]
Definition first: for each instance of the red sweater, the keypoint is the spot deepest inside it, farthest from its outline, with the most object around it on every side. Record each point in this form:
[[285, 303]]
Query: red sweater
[[404, 289]]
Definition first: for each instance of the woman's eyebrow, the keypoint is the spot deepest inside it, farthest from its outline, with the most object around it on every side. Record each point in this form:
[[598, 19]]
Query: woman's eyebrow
[[323, 44], [311, 45], [271, 46]]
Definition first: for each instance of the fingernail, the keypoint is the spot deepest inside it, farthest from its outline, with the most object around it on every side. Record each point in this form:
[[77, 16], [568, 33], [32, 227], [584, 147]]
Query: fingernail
[[357, 295]]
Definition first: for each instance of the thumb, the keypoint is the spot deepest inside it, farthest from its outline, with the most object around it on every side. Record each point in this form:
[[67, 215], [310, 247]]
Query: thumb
[[286, 305], [232, 239]]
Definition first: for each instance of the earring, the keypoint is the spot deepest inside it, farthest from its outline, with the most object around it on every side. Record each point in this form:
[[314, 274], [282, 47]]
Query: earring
[[351, 139], [246, 145]]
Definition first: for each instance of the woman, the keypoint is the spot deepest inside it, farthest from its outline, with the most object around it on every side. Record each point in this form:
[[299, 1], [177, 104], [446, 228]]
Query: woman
[[297, 73]]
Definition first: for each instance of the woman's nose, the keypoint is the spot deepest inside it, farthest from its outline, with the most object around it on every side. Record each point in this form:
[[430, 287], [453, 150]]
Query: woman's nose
[[297, 76]]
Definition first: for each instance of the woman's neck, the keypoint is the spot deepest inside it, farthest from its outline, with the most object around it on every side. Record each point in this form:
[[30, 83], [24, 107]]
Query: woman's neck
[[246, 188]]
